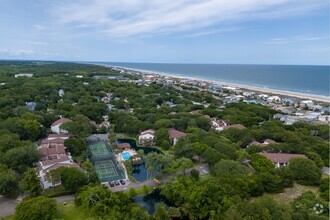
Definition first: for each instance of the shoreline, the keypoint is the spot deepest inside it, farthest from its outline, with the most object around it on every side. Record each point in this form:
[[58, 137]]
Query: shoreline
[[299, 95]]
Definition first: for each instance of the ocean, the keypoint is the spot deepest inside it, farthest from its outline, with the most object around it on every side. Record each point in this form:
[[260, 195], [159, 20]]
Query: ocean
[[295, 78]]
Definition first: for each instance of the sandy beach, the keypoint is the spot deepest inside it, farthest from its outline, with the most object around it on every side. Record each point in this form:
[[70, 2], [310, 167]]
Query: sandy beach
[[319, 98], [299, 95]]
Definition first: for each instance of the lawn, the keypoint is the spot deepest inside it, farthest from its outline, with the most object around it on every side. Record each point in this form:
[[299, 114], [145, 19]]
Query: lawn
[[290, 194], [70, 212]]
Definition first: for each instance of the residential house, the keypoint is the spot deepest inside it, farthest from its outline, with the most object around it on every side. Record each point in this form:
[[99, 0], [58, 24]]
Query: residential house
[[61, 92], [52, 156], [24, 74], [214, 88], [325, 118], [264, 144], [287, 110], [263, 96], [47, 165], [238, 126], [55, 127], [175, 135], [124, 146], [281, 159], [306, 104], [147, 137], [63, 136], [288, 101], [218, 125], [195, 112], [51, 148], [275, 99], [31, 106]]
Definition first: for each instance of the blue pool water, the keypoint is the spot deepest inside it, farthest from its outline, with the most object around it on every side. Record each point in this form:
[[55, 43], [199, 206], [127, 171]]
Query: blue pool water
[[125, 155]]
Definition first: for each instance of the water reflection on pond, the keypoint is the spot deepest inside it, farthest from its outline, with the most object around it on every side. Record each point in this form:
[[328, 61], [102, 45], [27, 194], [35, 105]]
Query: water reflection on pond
[[140, 172], [150, 201]]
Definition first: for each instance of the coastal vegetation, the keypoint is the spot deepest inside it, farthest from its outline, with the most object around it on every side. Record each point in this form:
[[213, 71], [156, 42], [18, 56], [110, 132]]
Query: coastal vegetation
[[240, 183]]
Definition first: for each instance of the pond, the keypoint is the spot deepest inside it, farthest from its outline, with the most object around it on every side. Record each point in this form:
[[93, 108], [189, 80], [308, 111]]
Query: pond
[[150, 201], [140, 172]]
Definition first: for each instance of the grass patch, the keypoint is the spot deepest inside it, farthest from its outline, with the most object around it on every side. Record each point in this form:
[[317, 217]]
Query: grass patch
[[136, 192], [9, 217], [70, 212], [55, 191], [290, 194]]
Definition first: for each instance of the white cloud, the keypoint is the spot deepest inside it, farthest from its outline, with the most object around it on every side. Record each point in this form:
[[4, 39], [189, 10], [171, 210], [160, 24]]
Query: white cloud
[[134, 17], [39, 27], [293, 39], [210, 32], [16, 52], [38, 42]]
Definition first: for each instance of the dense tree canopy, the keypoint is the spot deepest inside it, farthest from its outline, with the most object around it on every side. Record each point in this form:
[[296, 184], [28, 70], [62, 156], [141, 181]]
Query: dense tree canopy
[[37, 208]]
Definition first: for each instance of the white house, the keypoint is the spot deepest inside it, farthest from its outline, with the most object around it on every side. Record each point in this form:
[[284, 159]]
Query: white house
[[147, 137], [23, 74], [276, 99], [324, 118], [306, 103], [48, 165], [280, 159], [61, 92], [218, 125], [55, 127], [263, 96]]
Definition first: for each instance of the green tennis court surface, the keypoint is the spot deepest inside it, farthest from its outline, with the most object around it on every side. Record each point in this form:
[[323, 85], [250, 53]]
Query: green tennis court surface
[[105, 162], [105, 169], [98, 149]]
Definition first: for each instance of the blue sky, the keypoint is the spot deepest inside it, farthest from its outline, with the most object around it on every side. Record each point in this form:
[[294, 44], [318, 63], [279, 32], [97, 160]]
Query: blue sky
[[180, 31]]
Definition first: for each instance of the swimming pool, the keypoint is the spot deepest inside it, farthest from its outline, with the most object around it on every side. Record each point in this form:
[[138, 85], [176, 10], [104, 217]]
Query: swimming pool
[[125, 155]]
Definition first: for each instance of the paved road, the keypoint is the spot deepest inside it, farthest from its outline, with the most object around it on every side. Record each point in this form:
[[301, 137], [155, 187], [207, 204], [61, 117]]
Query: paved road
[[7, 206], [326, 170]]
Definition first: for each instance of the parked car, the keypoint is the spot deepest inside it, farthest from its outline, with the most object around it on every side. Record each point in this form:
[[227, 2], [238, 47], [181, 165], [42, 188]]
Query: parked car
[[117, 183], [122, 182], [111, 184]]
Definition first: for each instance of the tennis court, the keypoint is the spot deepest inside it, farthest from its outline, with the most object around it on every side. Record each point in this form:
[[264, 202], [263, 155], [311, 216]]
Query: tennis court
[[98, 149], [105, 162], [105, 169]]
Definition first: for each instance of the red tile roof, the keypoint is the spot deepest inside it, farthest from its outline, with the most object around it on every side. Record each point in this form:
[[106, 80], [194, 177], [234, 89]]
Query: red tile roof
[[49, 162], [257, 143], [61, 121], [281, 158], [53, 141], [149, 131], [124, 145], [239, 126], [58, 136], [175, 133], [270, 141], [45, 151]]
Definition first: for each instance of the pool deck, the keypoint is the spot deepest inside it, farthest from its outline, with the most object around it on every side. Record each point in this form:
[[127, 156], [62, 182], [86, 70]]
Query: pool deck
[[132, 152]]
